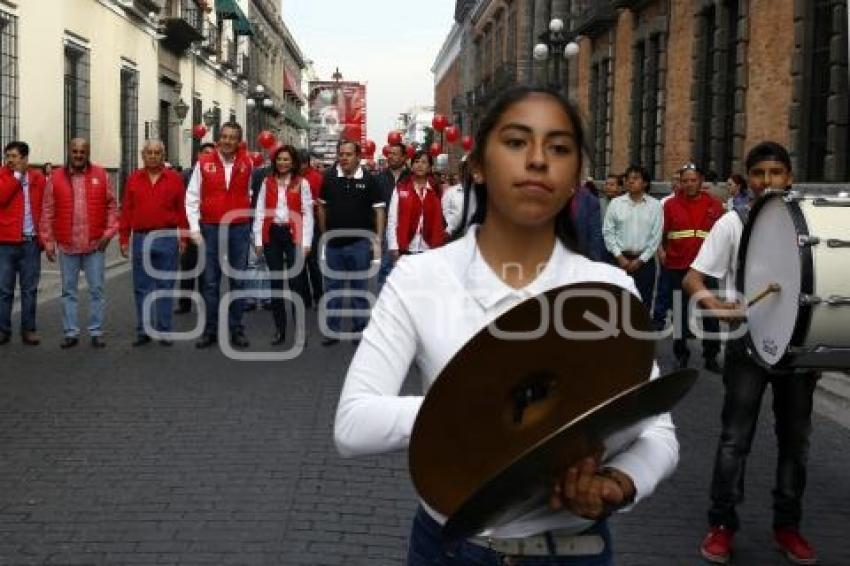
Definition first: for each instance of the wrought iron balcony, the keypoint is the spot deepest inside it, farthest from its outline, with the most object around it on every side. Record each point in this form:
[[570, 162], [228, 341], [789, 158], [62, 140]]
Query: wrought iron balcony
[[244, 66], [593, 17], [212, 43], [459, 103], [228, 54], [183, 25]]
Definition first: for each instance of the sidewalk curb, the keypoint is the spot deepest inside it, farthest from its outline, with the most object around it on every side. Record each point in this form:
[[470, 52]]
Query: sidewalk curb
[[832, 397]]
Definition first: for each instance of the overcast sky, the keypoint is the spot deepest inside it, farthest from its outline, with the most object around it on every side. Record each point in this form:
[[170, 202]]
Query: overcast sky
[[388, 44]]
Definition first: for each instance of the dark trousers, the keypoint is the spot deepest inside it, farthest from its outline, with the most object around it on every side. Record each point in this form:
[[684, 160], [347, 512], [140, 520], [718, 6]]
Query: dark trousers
[[314, 284], [710, 348], [238, 240], [663, 297], [188, 262], [23, 262], [429, 548], [352, 258], [280, 255], [163, 253], [745, 382], [645, 280]]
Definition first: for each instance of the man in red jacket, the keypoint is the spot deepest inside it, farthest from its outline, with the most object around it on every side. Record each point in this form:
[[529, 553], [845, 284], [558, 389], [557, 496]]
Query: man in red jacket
[[688, 217], [79, 218], [218, 208], [153, 200], [21, 193]]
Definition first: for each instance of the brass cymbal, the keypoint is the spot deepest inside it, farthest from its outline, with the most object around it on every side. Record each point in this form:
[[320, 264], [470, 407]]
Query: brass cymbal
[[527, 483], [499, 397]]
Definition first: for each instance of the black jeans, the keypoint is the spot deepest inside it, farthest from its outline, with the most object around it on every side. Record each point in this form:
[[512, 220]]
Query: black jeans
[[710, 348], [745, 382], [280, 255], [313, 288]]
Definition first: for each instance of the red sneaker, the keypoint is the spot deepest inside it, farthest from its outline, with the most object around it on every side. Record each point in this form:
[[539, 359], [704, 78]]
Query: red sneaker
[[716, 547], [795, 548]]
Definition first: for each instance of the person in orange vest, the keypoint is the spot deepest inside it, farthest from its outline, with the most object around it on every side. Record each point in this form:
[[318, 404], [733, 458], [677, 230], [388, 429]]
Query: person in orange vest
[[21, 193], [218, 199], [689, 215], [79, 217], [153, 200], [415, 219]]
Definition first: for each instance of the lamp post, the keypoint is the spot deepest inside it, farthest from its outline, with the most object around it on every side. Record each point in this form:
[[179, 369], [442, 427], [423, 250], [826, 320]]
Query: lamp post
[[257, 101], [557, 44]]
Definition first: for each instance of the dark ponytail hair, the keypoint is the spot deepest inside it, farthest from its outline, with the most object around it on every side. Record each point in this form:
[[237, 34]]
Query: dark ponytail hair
[[564, 227]]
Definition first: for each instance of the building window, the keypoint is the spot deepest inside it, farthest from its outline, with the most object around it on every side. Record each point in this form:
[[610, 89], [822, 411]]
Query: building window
[[129, 123], [8, 78], [197, 118], [819, 116], [216, 128], [646, 104], [511, 33], [717, 144], [76, 93], [600, 111]]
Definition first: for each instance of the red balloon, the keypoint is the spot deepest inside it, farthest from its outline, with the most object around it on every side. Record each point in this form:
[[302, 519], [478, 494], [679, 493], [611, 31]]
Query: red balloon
[[257, 158], [439, 122], [266, 139], [394, 137], [369, 149], [410, 150], [199, 131], [386, 151], [435, 149], [452, 134], [467, 143]]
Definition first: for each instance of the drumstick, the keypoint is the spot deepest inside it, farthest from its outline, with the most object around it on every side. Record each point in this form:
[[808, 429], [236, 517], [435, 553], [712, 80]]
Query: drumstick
[[769, 290]]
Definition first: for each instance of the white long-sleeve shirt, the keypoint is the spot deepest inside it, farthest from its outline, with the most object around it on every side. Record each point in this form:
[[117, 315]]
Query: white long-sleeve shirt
[[282, 214], [430, 306]]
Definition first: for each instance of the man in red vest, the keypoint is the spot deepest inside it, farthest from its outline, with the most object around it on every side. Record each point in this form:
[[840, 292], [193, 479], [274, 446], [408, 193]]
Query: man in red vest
[[21, 192], [218, 209], [79, 218], [688, 217], [153, 200]]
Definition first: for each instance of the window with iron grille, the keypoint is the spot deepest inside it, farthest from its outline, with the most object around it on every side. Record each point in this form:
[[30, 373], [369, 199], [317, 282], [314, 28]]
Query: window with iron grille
[[646, 111], [216, 128], [129, 123], [820, 90], [197, 118], [8, 78], [77, 95], [716, 77], [512, 32], [600, 111]]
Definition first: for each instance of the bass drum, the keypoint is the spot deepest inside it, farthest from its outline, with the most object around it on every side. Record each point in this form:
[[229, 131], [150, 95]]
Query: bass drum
[[803, 244]]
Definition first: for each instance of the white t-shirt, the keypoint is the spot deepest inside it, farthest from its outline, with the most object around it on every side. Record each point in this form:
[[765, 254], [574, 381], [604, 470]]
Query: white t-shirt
[[718, 256], [430, 307]]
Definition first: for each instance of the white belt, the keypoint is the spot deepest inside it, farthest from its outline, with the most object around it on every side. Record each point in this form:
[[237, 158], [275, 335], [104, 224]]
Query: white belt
[[537, 545]]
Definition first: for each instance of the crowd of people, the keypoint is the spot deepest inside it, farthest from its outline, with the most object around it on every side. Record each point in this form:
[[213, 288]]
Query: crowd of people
[[324, 232]]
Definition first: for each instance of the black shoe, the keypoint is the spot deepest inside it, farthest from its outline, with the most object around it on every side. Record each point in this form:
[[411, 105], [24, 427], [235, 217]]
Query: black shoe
[[97, 342], [682, 361], [69, 342], [166, 342], [329, 341], [5, 337], [712, 365], [205, 341], [183, 310], [250, 307], [238, 340], [267, 305], [142, 340], [30, 338], [279, 338]]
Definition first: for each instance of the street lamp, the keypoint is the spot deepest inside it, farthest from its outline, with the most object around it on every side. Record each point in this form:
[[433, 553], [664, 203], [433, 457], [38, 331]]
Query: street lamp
[[257, 100], [557, 44]]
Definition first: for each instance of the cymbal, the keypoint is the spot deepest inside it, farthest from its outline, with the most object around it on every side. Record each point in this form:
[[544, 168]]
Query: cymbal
[[528, 482], [498, 397]]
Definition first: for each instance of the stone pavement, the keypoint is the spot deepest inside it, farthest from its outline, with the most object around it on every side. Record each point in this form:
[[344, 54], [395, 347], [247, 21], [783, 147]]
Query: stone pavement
[[176, 456]]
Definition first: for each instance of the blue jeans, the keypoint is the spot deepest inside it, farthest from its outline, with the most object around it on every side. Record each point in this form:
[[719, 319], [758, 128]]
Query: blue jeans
[[428, 548], [163, 257], [745, 382], [94, 266], [238, 237], [663, 297], [23, 260], [354, 257], [645, 281]]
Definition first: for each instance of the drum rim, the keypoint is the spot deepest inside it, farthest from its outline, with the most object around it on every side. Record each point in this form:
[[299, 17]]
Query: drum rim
[[807, 274]]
